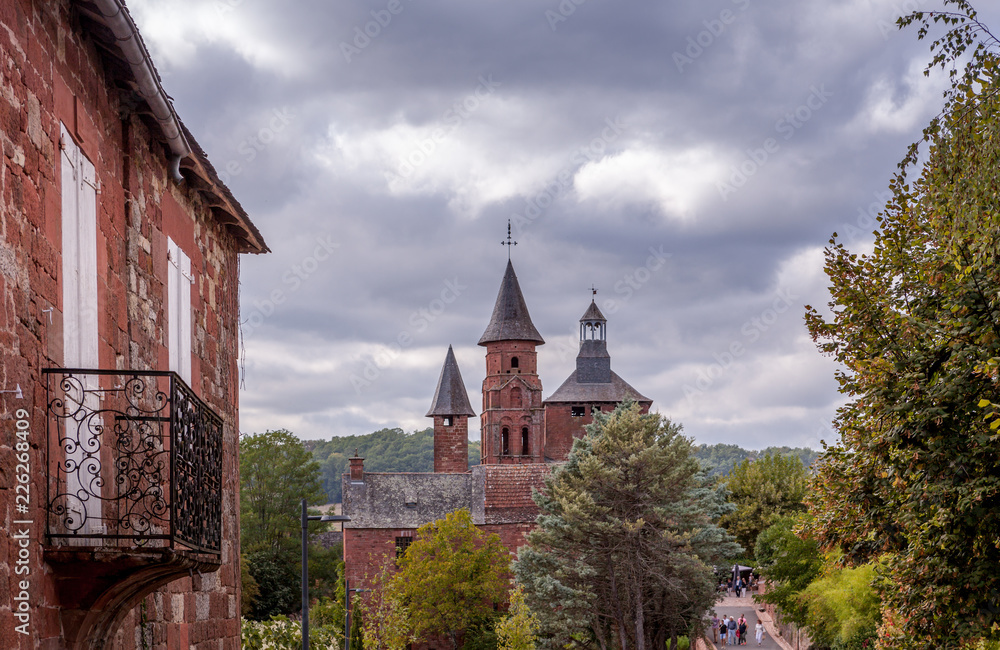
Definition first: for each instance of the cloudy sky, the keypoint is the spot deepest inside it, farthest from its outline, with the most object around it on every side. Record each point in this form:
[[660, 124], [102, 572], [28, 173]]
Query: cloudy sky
[[690, 159]]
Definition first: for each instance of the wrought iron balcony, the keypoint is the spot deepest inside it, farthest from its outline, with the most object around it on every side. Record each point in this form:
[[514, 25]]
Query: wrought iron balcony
[[134, 461]]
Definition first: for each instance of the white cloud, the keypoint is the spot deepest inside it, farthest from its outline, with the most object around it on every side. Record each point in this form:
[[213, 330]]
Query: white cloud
[[900, 105], [672, 181], [174, 30]]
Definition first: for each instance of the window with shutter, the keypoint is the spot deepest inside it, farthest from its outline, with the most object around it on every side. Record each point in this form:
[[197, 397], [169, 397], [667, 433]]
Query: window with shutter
[[179, 281]]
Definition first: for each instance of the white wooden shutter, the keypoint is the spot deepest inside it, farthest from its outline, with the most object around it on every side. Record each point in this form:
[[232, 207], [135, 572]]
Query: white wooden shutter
[[179, 281], [79, 256], [79, 309]]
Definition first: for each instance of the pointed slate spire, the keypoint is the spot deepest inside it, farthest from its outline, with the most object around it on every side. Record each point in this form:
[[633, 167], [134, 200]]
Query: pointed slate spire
[[450, 397], [510, 320], [593, 313]]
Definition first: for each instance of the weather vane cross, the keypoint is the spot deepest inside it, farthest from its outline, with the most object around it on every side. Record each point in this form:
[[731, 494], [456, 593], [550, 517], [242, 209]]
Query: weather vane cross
[[510, 241], [593, 290]]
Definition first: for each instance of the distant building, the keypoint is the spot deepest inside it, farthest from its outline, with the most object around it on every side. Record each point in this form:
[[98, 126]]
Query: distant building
[[119, 328], [522, 435]]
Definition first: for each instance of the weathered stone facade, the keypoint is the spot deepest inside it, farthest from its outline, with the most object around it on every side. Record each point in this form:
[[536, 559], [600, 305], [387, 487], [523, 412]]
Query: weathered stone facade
[[65, 85]]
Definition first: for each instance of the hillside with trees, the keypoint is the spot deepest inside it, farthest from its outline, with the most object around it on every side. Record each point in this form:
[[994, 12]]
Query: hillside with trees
[[394, 450], [721, 459], [386, 450]]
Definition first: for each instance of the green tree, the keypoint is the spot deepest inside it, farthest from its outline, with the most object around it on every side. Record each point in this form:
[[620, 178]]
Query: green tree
[[276, 473], [789, 563], [841, 606], [451, 575], [763, 490], [249, 588], [519, 629], [386, 623], [915, 477], [277, 579], [621, 554]]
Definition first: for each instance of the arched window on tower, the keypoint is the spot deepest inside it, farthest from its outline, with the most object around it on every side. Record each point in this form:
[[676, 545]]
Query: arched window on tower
[[525, 443], [505, 442], [514, 362], [515, 397]]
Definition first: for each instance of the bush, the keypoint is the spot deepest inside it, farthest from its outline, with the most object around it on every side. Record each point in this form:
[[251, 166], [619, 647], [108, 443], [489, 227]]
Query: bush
[[326, 631]]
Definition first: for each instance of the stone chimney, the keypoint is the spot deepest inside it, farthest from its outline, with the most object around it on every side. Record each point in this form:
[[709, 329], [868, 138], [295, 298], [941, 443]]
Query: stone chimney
[[357, 467]]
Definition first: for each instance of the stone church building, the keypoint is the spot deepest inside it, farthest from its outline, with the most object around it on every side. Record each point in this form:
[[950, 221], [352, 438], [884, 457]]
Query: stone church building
[[522, 435]]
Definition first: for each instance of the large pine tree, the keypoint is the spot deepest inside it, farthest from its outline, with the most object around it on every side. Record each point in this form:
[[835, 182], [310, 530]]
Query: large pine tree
[[621, 556]]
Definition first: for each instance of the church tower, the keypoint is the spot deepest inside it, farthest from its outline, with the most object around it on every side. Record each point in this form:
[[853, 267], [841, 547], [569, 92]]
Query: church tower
[[512, 418], [592, 387], [451, 411]]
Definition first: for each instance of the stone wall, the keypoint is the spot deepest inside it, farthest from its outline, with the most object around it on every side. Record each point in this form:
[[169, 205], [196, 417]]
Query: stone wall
[[51, 71], [512, 399], [451, 444]]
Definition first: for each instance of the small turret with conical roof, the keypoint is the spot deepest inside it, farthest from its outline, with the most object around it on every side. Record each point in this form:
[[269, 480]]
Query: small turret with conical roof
[[592, 387], [593, 363], [451, 411]]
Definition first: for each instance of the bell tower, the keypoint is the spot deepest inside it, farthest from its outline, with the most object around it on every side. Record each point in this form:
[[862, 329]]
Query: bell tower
[[512, 415]]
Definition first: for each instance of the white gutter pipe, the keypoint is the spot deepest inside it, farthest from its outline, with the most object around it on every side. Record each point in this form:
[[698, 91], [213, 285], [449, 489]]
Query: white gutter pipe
[[114, 16]]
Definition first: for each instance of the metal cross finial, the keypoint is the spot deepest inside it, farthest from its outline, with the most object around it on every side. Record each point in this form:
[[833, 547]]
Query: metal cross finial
[[510, 241]]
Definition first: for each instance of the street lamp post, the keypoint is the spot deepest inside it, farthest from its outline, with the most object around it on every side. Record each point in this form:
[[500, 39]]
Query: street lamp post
[[306, 518]]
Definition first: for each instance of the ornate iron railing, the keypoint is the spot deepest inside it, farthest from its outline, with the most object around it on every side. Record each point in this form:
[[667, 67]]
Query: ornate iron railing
[[134, 460]]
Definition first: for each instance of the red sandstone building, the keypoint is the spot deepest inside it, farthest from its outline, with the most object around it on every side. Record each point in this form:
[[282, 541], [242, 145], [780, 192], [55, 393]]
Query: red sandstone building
[[119, 271], [521, 436]]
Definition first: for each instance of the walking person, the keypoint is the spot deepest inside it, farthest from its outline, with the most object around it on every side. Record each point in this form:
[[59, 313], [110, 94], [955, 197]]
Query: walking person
[[760, 632], [723, 630], [733, 627], [742, 630], [715, 627]]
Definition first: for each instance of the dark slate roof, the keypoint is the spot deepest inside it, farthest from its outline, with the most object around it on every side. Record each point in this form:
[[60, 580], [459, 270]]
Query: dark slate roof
[[593, 313], [615, 391], [510, 320], [404, 500], [450, 398]]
